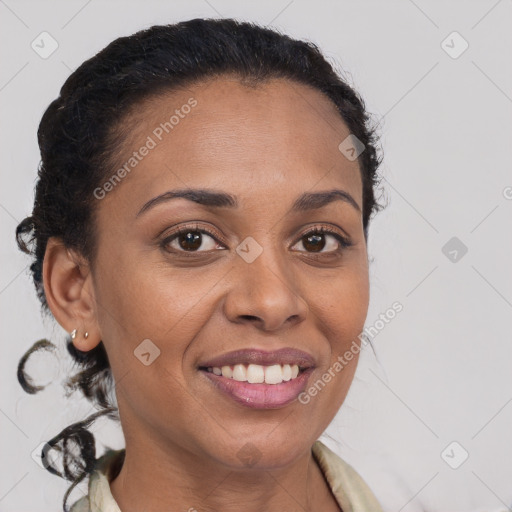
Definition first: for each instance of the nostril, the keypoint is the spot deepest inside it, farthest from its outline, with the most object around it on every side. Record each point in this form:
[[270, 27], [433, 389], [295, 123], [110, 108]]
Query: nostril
[[249, 317]]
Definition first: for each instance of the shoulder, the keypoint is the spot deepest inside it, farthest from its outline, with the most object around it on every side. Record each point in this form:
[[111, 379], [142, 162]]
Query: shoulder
[[99, 497], [346, 484], [82, 505]]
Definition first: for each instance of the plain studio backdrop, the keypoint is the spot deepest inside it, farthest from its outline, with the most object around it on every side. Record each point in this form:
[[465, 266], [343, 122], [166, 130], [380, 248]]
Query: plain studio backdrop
[[428, 419]]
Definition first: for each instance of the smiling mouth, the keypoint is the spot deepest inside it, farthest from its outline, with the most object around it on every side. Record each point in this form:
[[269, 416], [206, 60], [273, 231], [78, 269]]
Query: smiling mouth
[[260, 379], [257, 374]]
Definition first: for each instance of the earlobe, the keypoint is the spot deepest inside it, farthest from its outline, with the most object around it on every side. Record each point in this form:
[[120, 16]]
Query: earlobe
[[81, 340], [68, 289]]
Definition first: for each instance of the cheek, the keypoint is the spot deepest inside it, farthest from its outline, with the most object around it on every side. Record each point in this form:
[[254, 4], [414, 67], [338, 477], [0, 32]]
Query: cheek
[[342, 308], [139, 299], [342, 321]]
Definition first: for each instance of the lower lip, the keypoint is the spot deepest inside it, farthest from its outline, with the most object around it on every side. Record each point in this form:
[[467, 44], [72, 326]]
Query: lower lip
[[261, 396]]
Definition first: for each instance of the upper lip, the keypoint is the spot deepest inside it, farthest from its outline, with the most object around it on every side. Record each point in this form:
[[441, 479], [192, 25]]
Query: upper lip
[[261, 357]]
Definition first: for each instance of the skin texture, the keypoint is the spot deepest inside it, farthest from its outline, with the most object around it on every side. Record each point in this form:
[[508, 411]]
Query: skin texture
[[266, 146]]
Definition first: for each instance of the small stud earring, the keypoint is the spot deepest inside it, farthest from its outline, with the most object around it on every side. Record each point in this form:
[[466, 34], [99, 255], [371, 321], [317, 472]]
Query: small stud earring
[[86, 335], [73, 334]]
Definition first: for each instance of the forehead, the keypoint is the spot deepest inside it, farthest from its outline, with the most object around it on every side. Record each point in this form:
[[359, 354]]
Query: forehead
[[226, 135]]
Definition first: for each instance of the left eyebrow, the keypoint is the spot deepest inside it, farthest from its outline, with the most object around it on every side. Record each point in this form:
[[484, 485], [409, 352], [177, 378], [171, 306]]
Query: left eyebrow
[[316, 200], [305, 202]]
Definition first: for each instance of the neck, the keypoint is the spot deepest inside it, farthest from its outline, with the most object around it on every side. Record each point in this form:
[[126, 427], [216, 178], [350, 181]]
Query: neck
[[156, 477]]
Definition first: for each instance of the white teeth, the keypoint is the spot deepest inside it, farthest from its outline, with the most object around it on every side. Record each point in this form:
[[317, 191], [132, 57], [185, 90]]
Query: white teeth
[[227, 372], [239, 373], [273, 374], [256, 374]]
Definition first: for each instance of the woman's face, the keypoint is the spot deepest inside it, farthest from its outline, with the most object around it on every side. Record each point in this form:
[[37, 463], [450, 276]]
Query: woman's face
[[257, 281]]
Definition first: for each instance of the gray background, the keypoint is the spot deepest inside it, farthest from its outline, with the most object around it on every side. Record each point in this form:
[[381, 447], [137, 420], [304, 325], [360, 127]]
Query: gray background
[[441, 372]]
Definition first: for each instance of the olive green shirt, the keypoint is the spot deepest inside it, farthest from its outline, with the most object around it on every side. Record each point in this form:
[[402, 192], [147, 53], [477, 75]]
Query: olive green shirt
[[348, 488]]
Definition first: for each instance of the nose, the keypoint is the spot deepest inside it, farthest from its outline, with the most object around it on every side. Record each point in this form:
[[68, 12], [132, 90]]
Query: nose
[[264, 293]]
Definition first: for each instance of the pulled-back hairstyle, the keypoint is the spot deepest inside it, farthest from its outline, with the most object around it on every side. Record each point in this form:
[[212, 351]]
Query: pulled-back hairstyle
[[80, 134]]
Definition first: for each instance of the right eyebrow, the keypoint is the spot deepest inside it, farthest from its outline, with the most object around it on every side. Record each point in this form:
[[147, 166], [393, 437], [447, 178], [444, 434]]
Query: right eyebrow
[[200, 196]]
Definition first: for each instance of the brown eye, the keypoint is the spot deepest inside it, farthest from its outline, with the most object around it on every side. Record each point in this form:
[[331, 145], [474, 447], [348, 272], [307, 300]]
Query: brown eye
[[322, 240], [190, 240], [314, 243]]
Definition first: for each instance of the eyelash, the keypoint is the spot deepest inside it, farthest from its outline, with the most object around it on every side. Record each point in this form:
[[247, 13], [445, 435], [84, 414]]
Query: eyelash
[[316, 230]]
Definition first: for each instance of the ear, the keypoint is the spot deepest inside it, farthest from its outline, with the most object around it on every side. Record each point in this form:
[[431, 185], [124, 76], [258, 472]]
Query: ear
[[69, 291]]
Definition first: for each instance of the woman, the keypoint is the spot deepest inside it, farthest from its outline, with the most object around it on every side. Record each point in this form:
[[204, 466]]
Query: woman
[[199, 228]]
